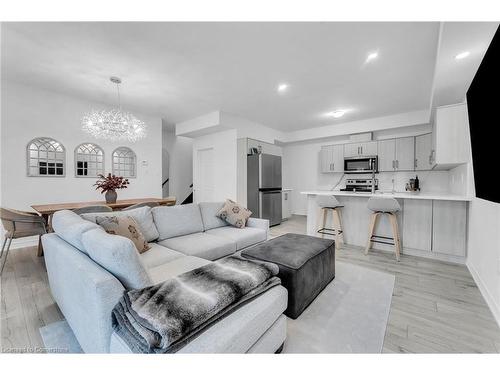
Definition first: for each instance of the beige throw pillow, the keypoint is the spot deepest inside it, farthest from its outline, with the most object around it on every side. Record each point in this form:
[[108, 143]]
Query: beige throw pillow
[[234, 214], [124, 226]]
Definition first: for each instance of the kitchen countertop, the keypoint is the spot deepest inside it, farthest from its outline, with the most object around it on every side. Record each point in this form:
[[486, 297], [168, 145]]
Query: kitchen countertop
[[399, 195]]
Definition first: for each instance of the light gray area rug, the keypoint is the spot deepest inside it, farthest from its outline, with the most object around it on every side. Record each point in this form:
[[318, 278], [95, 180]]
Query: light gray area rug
[[349, 316]]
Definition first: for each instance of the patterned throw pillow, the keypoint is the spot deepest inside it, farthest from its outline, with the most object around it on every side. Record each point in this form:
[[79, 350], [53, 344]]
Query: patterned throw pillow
[[124, 226], [234, 214]]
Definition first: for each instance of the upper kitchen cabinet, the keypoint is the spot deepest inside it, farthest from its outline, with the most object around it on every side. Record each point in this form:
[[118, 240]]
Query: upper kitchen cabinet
[[360, 149], [405, 154], [396, 154], [423, 147], [332, 158], [386, 155], [450, 136]]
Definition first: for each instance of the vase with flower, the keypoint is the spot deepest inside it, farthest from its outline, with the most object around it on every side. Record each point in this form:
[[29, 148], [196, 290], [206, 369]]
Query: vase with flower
[[109, 184]]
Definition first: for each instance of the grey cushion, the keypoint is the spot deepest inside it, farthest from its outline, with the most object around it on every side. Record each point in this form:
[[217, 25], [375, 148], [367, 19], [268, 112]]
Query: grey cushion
[[203, 245], [243, 237], [327, 201], [383, 204], [176, 267], [208, 212], [174, 221], [158, 255], [70, 227], [118, 255], [141, 215]]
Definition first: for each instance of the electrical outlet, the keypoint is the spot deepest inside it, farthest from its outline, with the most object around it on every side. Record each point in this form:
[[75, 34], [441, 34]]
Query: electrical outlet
[[144, 163]]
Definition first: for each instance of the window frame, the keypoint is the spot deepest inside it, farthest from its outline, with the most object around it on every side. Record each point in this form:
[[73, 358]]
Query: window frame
[[46, 160], [76, 153], [113, 170]]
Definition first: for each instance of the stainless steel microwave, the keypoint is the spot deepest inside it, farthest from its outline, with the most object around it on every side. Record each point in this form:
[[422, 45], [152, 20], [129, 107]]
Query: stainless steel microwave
[[361, 164]]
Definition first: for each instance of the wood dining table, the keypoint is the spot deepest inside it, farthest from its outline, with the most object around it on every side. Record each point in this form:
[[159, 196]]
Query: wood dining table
[[47, 210]]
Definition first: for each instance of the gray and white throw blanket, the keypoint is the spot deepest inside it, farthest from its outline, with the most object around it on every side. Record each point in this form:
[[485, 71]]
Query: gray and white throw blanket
[[165, 317]]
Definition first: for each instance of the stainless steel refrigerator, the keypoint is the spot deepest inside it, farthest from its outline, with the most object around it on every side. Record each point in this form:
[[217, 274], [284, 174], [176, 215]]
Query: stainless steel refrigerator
[[264, 187]]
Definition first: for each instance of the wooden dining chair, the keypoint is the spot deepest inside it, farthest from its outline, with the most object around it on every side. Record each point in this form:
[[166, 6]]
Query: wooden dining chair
[[19, 224], [142, 204], [92, 209]]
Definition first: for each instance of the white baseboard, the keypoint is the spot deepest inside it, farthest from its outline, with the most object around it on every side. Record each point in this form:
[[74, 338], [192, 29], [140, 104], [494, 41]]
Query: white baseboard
[[490, 301]]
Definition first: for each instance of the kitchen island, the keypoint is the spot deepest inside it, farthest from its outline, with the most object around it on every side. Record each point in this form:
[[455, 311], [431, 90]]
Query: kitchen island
[[432, 225]]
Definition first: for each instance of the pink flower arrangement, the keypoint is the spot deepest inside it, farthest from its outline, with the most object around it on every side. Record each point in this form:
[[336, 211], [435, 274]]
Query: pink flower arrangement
[[110, 183]]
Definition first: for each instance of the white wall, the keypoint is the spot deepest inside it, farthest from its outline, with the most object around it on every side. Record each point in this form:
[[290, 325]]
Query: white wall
[[29, 112], [483, 252], [180, 171], [224, 145]]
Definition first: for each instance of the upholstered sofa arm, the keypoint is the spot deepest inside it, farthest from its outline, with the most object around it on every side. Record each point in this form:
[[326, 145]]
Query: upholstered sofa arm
[[259, 223], [85, 292]]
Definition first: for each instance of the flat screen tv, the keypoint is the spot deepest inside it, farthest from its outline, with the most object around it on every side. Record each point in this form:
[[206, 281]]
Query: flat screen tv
[[483, 102]]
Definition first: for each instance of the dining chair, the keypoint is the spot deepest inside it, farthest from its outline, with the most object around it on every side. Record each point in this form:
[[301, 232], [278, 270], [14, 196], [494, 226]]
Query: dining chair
[[92, 209], [19, 224], [143, 204]]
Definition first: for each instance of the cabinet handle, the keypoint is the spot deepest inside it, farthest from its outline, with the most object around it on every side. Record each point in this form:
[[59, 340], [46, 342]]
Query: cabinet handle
[[361, 150], [416, 163], [393, 165], [397, 164]]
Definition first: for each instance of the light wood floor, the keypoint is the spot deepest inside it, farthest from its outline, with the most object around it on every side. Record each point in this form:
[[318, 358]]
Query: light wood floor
[[436, 306]]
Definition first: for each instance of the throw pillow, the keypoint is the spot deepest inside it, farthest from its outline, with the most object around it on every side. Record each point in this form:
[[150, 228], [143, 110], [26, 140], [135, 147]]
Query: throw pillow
[[234, 214], [124, 226]]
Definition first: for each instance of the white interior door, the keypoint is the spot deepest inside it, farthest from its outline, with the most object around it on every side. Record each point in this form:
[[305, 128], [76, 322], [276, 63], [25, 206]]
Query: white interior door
[[204, 187]]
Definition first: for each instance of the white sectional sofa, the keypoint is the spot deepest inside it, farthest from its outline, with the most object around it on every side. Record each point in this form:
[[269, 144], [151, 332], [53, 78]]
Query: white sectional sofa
[[89, 270]]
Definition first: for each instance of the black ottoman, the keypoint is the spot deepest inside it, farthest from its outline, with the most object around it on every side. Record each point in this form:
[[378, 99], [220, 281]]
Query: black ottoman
[[307, 265]]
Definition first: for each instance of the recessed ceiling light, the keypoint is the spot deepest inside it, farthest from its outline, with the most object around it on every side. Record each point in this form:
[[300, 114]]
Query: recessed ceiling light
[[336, 114], [371, 56], [282, 87], [462, 55]]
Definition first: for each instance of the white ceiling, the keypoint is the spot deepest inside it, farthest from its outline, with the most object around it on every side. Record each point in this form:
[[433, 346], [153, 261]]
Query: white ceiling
[[183, 70]]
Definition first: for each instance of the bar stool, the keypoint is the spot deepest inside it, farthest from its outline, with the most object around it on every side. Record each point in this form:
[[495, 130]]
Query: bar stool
[[331, 204], [388, 206]]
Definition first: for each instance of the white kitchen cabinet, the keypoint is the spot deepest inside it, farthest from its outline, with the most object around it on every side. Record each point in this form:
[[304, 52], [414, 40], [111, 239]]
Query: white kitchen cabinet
[[405, 154], [423, 146], [332, 158], [417, 224], [449, 228], [360, 149], [286, 208], [386, 155], [396, 154], [450, 136]]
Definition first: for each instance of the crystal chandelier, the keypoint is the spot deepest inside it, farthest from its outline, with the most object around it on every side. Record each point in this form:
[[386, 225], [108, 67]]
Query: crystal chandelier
[[114, 124]]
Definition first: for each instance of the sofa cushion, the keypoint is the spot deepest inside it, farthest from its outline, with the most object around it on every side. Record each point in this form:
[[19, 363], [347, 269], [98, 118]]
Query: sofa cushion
[[234, 214], [70, 227], [119, 256], [158, 255], [209, 211], [176, 267], [174, 221], [243, 237], [141, 215], [124, 226], [203, 245]]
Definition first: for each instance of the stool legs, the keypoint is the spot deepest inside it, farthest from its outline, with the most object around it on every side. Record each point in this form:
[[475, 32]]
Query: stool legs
[[371, 229], [325, 214], [339, 234], [395, 231]]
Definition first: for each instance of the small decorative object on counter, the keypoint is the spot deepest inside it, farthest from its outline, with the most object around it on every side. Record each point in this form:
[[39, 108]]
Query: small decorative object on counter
[[413, 185], [109, 184]]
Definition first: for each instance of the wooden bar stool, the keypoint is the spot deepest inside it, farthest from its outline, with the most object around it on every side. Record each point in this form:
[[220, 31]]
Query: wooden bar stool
[[381, 206], [331, 204]]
